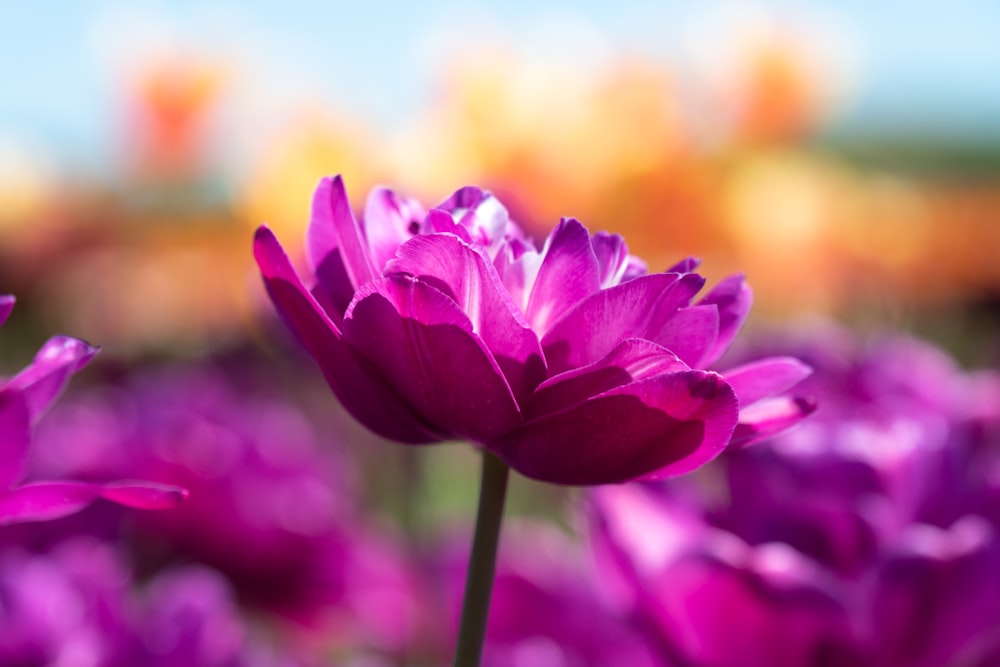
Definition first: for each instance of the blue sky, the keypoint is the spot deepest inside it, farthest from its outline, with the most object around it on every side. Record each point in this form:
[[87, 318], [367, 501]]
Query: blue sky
[[931, 66]]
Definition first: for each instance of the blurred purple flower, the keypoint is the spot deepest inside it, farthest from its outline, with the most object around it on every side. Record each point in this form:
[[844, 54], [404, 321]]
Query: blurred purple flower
[[79, 605], [270, 508], [572, 364], [863, 538], [546, 608], [23, 400]]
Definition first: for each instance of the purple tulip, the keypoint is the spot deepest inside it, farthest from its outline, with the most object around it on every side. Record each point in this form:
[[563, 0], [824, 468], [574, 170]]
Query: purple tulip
[[23, 400], [271, 508], [571, 363], [868, 537]]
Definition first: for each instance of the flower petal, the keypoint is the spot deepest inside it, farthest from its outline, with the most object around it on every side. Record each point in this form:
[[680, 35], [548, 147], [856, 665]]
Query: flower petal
[[360, 391], [479, 212], [766, 377], [43, 501], [421, 343], [666, 425], [15, 437], [335, 247], [43, 380], [640, 308], [769, 417], [6, 305], [467, 276], [568, 273], [632, 360], [733, 297], [612, 257], [144, 495], [691, 334], [387, 224]]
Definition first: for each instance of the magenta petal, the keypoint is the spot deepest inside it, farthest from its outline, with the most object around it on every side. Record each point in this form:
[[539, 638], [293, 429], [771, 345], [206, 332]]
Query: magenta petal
[[640, 308], [43, 501], [691, 334], [769, 417], [335, 248], [612, 257], [467, 276], [686, 265], [15, 437], [766, 377], [666, 425], [6, 306], [358, 388], [387, 223], [144, 495], [479, 212], [733, 297], [631, 361], [42, 381], [422, 344], [567, 275]]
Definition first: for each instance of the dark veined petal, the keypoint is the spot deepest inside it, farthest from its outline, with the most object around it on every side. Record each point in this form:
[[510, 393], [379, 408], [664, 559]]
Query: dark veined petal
[[764, 378], [15, 437], [568, 273], [387, 224], [640, 308], [632, 360], [420, 342], [6, 306], [466, 274], [662, 426], [43, 501], [733, 297], [337, 252], [359, 389], [769, 417], [43, 381]]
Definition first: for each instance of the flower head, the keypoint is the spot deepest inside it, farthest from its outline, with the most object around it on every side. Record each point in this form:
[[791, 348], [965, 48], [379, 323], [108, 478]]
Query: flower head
[[571, 362], [23, 400]]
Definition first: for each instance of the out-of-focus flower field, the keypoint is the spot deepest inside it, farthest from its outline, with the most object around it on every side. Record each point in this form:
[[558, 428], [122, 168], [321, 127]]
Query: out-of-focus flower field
[[868, 535]]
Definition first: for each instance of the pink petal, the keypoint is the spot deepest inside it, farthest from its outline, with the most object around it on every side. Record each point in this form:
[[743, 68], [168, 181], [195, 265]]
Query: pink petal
[[43, 501], [666, 425], [15, 437], [467, 276], [733, 297], [388, 223], [360, 391], [640, 308], [769, 417], [568, 274], [335, 248], [631, 361], [691, 334], [612, 257], [766, 377], [421, 343], [480, 213], [144, 495], [43, 381]]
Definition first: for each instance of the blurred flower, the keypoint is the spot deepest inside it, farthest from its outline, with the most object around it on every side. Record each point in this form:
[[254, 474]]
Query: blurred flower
[[572, 363], [23, 400], [867, 537], [271, 509], [79, 605], [546, 607]]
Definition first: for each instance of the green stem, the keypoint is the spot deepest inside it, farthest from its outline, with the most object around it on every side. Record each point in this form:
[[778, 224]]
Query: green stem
[[482, 562]]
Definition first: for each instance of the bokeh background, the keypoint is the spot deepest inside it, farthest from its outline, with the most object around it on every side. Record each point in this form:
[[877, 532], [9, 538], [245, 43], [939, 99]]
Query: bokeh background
[[845, 156]]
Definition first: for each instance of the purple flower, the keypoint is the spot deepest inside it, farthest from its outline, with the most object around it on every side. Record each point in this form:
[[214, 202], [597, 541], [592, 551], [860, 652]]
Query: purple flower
[[868, 537], [23, 400], [571, 363]]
